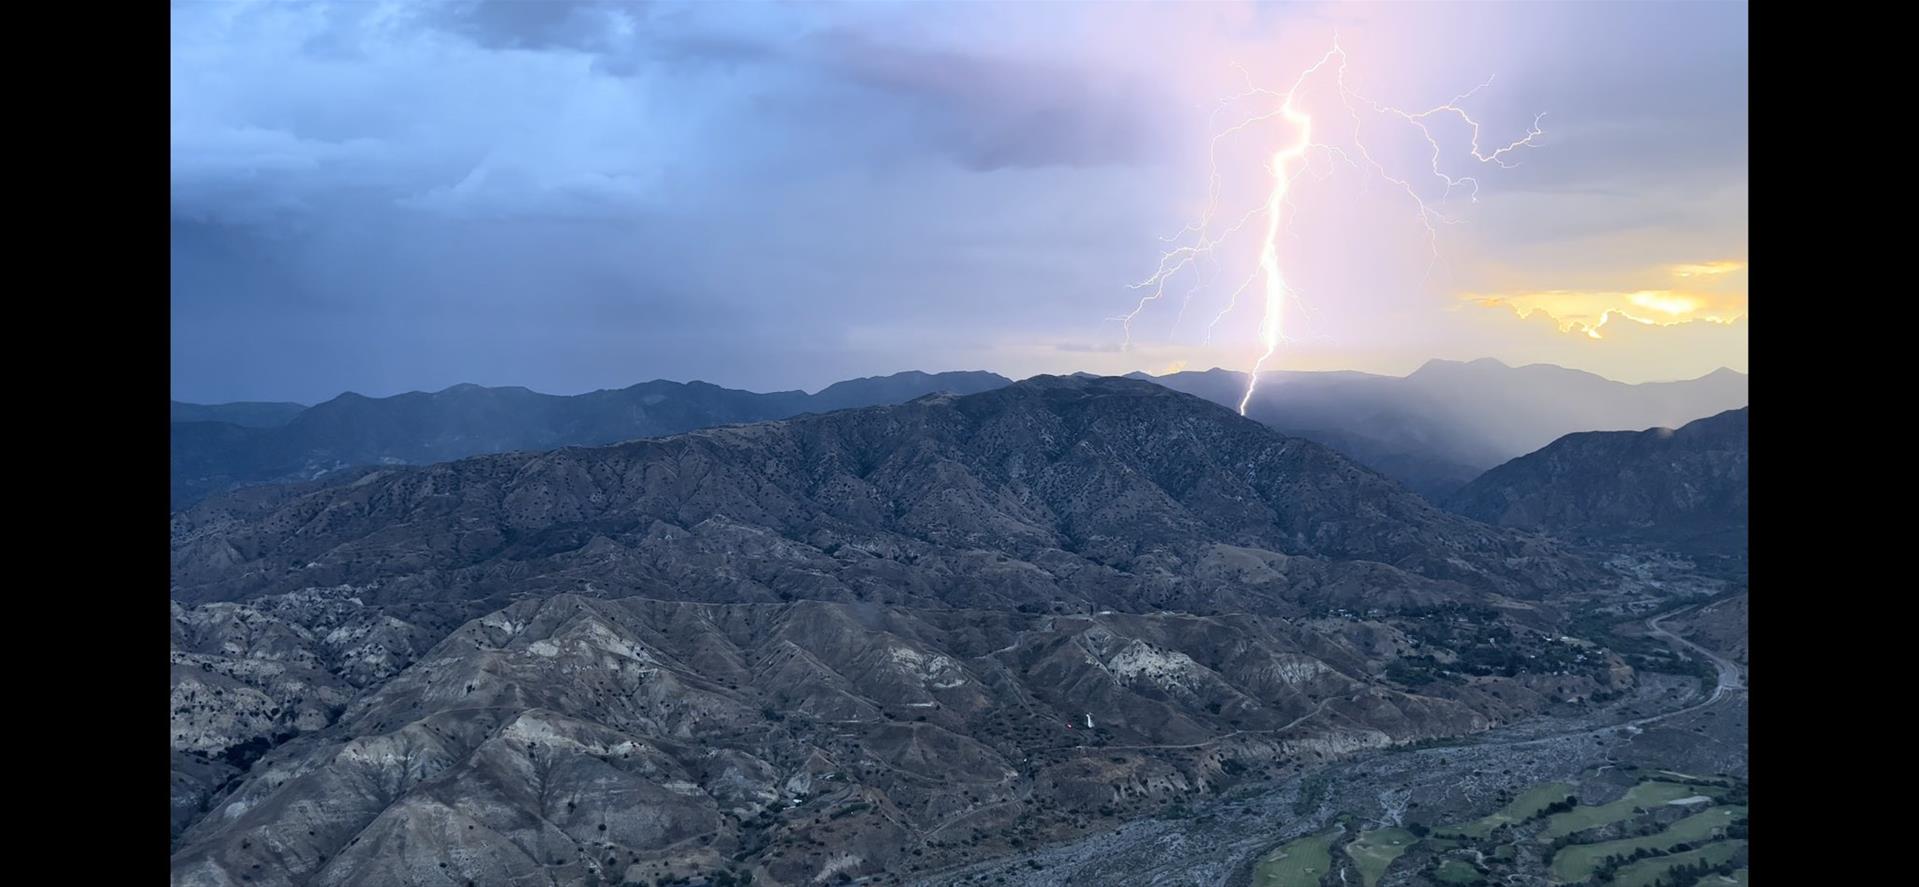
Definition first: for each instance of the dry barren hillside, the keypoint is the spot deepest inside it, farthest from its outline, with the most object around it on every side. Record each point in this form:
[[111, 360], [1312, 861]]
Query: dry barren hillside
[[876, 640]]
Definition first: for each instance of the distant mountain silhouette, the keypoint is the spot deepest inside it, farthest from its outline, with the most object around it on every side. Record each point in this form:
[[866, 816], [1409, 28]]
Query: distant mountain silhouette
[[1448, 422], [1433, 431], [249, 414], [466, 420], [900, 388]]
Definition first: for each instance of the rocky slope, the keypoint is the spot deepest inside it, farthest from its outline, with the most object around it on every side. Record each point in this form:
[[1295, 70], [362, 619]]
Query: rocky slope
[[1683, 488], [870, 641], [571, 739], [1104, 492]]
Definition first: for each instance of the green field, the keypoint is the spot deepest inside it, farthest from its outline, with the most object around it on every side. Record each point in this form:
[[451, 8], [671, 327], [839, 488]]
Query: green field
[[1645, 872], [1645, 794], [1736, 879], [1453, 871], [1537, 798], [1677, 776], [1577, 862], [1300, 863], [1373, 852]]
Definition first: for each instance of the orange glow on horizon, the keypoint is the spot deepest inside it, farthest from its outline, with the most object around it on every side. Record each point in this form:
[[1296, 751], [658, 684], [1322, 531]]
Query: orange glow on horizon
[[1714, 292]]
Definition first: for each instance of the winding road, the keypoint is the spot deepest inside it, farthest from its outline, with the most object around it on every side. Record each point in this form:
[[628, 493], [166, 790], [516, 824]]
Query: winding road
[[1729, 679]]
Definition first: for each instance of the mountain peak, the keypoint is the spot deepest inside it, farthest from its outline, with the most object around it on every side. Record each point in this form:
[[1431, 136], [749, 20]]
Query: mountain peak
[[902, 387], [1090, 382], [1439, 365]]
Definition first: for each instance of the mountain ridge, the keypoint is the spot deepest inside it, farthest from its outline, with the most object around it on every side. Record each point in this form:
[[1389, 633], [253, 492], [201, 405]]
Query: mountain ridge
[[1684, 487], [460, 420], [915, 633], [967, 449], [1433, 430]]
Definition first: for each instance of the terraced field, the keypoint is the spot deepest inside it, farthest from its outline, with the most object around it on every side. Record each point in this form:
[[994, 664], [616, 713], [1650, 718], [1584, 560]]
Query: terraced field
[[1300, 863], [1466, 853], [1529, 804], [1454, 871], [1373, 852], [1578, 862], [1641, 796], [1646, 872]]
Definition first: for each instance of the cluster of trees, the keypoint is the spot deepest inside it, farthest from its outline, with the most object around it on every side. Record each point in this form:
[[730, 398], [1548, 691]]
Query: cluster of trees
[[1560, 806], [1413, 671], [1454, 611], [722, 878], [1311, 790], [242, 755], [1681, 875], [850, 809], [1484, 647], [1691, 873]]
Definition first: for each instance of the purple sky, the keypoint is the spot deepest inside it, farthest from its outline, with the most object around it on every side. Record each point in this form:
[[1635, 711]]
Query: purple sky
[[383, 197]]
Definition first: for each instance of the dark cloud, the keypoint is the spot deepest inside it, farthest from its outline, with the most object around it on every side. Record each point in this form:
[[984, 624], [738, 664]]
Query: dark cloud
[[570, 195], [625, 39], [584, 25], [986, 112], [991, 112]]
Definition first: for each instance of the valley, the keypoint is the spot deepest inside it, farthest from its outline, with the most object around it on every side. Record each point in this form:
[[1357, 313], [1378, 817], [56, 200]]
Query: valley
[[1456, 796], [1046, 633], [1149, 444]]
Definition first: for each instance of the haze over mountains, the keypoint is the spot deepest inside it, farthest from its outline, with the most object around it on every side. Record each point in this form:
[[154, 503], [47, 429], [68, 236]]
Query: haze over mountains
[[1433, 430], [871, 640], [1683, 488], [1448, 422], [250, 414]]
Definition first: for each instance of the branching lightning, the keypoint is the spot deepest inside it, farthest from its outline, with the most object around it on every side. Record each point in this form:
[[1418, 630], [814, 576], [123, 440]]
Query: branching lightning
[[1197, 242]]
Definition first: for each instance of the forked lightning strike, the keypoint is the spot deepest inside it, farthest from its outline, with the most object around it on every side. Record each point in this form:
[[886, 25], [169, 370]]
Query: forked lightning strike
[[1286, 166]]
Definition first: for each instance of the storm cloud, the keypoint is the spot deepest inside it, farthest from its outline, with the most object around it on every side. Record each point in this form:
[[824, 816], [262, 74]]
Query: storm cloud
[[388, 196]]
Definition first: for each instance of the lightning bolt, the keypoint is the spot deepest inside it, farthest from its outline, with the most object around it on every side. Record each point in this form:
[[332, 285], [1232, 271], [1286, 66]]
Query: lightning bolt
[[1286, 165], [1269, 326]]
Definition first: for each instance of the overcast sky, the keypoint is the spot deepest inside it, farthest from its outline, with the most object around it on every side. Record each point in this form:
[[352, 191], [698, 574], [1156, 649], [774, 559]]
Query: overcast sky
[[386, 196]]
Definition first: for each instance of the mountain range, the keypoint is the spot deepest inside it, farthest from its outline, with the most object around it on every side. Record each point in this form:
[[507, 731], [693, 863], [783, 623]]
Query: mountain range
[[1433, 430], [218, 452], [871, 640], [249, 414]]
